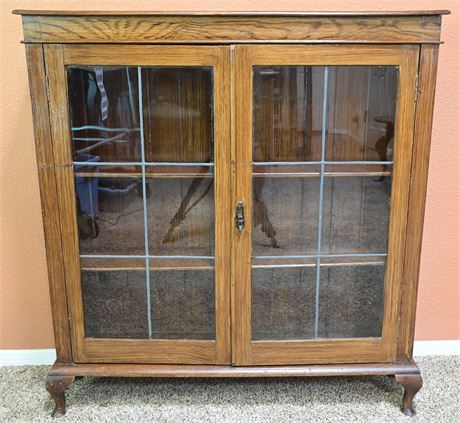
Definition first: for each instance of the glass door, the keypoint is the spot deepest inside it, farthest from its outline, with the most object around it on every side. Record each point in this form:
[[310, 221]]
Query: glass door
[[323, 137], [143, 145]]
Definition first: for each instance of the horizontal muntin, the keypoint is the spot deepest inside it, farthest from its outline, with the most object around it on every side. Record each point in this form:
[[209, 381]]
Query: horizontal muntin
[[142, 164], [310, 256], [122, 256], [326, 162]]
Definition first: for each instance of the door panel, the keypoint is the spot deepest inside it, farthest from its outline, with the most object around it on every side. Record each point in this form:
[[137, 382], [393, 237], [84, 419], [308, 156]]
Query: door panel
[[142, 165], [322, 142]]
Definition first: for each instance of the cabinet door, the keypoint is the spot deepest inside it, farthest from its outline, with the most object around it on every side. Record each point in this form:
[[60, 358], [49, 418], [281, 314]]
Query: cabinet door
[[322, 162], [141, 144]]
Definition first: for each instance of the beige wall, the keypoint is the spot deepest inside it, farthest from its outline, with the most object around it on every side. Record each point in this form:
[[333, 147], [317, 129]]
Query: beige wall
[[25, 318]]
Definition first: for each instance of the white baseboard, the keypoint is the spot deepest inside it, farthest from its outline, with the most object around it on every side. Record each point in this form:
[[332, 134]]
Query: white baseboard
[[35, 357], [27, 357], [424, 348]]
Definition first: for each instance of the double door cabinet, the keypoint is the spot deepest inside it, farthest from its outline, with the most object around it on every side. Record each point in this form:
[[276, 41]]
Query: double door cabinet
[[232, 195]]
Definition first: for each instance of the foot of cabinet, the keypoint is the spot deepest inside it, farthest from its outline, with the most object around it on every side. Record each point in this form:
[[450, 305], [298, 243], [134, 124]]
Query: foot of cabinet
[[412, 383], [56, 386]]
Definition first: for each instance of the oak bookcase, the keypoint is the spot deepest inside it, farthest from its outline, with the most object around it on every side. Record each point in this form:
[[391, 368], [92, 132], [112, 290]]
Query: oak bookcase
[[232, 194]]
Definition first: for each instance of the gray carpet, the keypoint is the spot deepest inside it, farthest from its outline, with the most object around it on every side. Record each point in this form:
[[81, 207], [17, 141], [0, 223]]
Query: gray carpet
[[364, 399]]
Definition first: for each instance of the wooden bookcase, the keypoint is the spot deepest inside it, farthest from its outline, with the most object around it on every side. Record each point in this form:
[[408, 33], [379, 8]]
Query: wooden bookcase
[[232, 195]]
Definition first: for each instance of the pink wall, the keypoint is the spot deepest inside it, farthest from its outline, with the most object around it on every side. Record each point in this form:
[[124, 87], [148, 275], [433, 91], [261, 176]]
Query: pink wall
[[25, 317]]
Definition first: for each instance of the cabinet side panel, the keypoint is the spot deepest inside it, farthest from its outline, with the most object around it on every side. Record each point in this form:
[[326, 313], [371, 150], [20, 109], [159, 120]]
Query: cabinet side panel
[[49, 202], [59, 124], [419, 176]]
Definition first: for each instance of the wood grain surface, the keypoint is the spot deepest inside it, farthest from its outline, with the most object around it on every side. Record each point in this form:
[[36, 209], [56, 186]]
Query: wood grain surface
[[231, 29]]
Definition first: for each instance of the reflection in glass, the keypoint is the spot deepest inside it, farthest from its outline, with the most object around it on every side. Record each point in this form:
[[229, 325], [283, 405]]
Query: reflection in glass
[[355, 214], [351, 301], [143, 152], [288, 113], [104, 113], [178, 111], [361, 108], [283, 303], [181, 215], [182, 304], [114, 304], [285, 215], [323, 149], [109, 214]]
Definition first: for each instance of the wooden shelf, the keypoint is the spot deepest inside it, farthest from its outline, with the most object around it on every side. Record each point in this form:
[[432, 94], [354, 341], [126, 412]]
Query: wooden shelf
[[138, 264], [190, 175]]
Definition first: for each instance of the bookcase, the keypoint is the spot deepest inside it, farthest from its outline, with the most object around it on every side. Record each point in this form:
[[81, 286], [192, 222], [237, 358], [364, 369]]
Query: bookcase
[[232, 195]]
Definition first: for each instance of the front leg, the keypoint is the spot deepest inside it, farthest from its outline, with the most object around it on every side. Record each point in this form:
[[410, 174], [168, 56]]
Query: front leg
[[412, 383], [56, 386]]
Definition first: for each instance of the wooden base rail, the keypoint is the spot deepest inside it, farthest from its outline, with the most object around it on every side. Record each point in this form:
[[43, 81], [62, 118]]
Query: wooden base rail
[[62, 375]]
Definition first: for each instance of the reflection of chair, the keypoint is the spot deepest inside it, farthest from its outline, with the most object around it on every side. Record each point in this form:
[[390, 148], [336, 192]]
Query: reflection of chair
[[261, 213], [184, 208], [285, 146]]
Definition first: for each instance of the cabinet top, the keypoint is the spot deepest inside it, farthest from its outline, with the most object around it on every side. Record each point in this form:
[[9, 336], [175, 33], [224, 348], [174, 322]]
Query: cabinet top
[[294, 13], [84, 27]]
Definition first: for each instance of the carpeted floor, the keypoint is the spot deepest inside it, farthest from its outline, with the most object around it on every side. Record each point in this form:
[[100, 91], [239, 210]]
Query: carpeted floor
[[364, 399]]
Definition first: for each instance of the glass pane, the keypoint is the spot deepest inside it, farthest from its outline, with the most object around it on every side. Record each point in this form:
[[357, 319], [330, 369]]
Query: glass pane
[[361, 109], [288, 113], [355, 214], [283, 303], [287, 103], [143, 152], [183, 304], [178, 108], [109, 213], [285, 215], [181, 215], [351, 301], [104, 113], [115, 304], [323, 142]]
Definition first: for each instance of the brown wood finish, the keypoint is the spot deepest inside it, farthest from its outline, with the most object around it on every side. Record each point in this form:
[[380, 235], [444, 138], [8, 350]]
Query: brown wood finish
[[409, 40], [242, 192], [158, 370], [56, 386], [57, 92], [412, 383], [229, 29], [48, 194], [33, 12], [128, 350], [287, 352], [419, 176]]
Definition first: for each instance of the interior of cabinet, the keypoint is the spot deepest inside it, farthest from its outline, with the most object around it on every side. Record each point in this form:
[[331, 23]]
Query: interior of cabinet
[[322, 160], [142, 142]]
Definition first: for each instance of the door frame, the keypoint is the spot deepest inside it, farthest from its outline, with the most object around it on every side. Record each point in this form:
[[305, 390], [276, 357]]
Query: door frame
[[245, 351], [90, 350]]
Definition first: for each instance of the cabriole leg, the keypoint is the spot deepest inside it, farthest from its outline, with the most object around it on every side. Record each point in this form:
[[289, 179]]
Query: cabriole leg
[[412, 383], [56, 386]]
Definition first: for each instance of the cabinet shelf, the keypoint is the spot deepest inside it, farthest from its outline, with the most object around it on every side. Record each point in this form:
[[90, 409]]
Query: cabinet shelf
[[147, 175], [155, 264]]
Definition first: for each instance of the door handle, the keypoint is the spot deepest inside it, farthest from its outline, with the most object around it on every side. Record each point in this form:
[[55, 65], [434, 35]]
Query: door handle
[[239, 216]]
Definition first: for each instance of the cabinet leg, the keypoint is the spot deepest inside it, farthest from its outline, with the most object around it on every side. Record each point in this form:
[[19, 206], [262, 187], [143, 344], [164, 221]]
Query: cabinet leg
[[56, 386], [412, 383]]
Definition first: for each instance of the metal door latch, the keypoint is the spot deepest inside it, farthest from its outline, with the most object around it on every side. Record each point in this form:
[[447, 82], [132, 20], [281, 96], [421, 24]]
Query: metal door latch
[[239, 216]]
